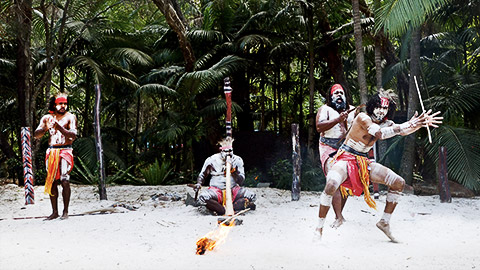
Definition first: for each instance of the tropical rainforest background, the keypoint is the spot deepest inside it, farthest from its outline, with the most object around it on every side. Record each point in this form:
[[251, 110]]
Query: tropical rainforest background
[[161, 66]]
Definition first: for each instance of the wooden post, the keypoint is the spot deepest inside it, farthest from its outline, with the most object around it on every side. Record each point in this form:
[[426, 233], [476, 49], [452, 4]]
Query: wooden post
[[27, 166], [443, 185], [297, 163], [98, 143]]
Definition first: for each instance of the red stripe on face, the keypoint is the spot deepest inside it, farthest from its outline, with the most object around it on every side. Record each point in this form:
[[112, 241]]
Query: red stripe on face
[[385, 102]]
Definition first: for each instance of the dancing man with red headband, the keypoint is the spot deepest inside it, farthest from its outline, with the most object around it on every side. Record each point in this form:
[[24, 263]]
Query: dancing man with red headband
[[353, 170], [62, 127], [214, 167], [332, 122]]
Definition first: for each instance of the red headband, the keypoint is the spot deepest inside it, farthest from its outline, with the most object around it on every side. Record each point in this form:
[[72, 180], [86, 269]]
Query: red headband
[[226, 147], [384, 102], [335, 87], [60, 100]]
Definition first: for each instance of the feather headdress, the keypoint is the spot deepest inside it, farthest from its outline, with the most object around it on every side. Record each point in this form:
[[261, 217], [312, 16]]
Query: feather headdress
[[389, 93], [226, 143]]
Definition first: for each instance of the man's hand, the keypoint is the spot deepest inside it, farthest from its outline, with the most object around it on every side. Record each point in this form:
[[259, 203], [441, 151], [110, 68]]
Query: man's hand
[[50, 122], [343, 116], [432, 119], [197, 187], [425, 119], [232, 170]]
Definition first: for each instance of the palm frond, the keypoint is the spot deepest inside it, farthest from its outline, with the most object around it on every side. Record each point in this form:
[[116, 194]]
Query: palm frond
[[154, 89], [396, 16], [125, 81], [254, 43], [291, 48], [7, 63], [217, 107], [212, 77], [209, 36], [80, 29], [463, 154], [84, 174], [87, 62], [163, 75], [132, 55]]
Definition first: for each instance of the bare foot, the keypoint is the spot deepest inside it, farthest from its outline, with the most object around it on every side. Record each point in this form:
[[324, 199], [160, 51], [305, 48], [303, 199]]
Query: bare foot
[[337, 223], [385, 228], [64, 216], [318, 234], [52, 216]]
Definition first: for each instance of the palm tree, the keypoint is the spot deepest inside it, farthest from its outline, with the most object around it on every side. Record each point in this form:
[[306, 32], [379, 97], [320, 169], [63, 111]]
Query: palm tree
[[393, 17]]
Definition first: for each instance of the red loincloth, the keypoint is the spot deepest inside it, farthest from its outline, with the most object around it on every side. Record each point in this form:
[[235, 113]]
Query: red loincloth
[[358, 178], [221, 193], [52, 161]]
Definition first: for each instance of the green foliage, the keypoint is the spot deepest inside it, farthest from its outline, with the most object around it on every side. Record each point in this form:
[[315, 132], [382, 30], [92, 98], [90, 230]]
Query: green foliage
[[252, 178], [312, 177], [157, 174], [396, 16], [84, 175], [463, 154]]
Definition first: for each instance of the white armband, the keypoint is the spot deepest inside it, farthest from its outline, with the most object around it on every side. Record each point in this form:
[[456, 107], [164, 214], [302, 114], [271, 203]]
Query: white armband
[[387, 132], [372, 129]]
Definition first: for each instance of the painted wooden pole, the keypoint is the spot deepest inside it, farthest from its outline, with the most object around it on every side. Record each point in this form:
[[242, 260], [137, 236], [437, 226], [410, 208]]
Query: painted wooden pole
[[228, 124], [98, 143], [297, 163], [27, 166], [228, 98], [443, 185]]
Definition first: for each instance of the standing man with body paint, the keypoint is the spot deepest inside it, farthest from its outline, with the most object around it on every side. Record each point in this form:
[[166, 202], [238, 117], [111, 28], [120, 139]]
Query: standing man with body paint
[[62, 127], [332, 122], [352, 168]]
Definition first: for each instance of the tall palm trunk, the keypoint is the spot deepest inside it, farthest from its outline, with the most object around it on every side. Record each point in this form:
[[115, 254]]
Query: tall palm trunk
[[311, 79], [24, 30], [357, 32], [406, 168]]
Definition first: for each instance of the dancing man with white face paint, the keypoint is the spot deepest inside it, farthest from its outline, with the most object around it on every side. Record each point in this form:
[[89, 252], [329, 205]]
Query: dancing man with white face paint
[[62, 127], [332, 122], [353, 170]]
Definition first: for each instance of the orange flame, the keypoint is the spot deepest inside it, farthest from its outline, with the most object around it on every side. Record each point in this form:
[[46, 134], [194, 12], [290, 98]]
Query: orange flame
[[214, 238]]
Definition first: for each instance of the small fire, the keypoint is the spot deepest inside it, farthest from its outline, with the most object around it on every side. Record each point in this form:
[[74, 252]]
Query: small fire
[[214, 238]]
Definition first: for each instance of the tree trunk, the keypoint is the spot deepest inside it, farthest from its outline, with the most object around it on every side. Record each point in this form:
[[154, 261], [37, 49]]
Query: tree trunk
[[378, 63], [297, 164], [174, 17], [24, 58], [406, 168], [98, 143], [87, 125], [280, 121], [330, 53], [357, 32], [311, 79]]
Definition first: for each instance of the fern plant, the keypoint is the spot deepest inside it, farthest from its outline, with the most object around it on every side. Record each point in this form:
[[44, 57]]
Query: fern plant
[[157, 174], [84, 175]]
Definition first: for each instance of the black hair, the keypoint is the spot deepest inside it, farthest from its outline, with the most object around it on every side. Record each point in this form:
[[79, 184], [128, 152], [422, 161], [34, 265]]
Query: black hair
[[51, 104], [329, 97], [376, 101]]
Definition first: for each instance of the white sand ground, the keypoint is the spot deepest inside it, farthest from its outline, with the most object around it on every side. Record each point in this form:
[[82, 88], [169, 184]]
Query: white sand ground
[[278, 235]]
